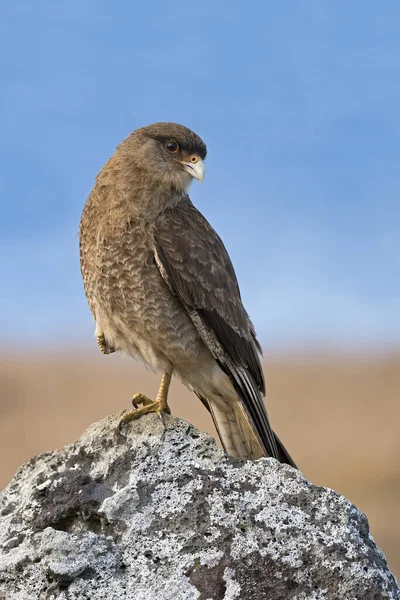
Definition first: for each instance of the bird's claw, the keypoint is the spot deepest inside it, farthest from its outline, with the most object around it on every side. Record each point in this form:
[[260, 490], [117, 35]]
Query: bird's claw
[[148, 406], [141, 399], [104, 346]]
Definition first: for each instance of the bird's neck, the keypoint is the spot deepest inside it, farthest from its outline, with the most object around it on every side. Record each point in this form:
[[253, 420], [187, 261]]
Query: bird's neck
[[134, 194]]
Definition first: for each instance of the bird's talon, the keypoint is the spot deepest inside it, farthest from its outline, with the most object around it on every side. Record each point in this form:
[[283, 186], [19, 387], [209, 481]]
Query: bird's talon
[[104, 346], [141, 399], [161, 417], [165, 410], [159, 407]]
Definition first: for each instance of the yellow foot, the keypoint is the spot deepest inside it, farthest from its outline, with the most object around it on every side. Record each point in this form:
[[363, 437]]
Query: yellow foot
[[149, 406], [141, 399], [159, 407], [104, 345]]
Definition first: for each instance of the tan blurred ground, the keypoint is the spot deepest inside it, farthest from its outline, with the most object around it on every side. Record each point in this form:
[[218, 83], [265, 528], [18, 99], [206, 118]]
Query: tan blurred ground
[[338, 415]]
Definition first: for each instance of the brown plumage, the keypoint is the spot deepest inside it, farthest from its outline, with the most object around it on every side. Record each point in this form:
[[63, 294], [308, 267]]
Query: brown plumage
[[162, 288]]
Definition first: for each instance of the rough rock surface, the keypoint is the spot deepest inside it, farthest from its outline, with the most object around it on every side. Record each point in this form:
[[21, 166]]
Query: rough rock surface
[[161, 513]]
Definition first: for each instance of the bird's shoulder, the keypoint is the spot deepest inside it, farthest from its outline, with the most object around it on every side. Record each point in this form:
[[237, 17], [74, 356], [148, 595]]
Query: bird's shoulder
[[189, 240]]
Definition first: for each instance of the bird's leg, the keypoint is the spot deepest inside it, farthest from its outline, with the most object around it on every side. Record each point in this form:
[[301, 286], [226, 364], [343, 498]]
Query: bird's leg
[[160, 405], [104, 345]]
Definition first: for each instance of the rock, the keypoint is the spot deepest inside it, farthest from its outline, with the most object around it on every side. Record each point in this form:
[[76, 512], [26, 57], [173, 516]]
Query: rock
[[161, 513]]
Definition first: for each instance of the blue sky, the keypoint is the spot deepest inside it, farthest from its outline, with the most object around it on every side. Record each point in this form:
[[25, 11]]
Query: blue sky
[[299, 106]]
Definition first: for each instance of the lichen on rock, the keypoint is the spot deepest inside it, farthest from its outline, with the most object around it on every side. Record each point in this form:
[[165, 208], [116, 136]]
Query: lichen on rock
[[159, 512]]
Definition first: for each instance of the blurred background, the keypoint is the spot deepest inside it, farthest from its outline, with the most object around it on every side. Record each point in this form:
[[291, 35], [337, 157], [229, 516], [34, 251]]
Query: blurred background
[[299, 105]]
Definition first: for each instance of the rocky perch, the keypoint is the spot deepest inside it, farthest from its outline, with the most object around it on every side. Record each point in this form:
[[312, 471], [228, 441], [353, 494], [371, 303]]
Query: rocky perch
[[161, 513]]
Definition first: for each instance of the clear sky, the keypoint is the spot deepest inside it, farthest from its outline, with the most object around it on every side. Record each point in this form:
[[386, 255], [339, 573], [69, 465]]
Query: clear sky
[[299, 104]]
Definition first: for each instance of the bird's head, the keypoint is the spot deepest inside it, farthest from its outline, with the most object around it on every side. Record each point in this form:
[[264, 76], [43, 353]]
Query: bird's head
[[168, 153]]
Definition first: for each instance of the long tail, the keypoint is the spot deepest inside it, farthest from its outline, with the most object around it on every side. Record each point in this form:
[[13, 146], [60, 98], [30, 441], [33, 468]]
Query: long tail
[[237, 435]]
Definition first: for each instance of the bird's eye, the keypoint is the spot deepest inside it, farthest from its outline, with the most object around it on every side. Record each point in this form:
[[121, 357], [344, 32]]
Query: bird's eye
[[172, 146]]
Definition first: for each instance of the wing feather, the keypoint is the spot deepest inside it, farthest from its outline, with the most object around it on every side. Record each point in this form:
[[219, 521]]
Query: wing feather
[[195, 264]]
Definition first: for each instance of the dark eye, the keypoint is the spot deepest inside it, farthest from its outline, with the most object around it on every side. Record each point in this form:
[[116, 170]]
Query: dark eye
[[172, 146]]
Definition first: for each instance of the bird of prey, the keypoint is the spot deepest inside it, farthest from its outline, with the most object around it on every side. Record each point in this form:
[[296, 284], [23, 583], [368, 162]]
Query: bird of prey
[[162, 288]]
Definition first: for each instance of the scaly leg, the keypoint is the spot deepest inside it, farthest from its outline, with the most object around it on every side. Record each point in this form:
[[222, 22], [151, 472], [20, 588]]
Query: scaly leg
[[160, 405], [104, 345]]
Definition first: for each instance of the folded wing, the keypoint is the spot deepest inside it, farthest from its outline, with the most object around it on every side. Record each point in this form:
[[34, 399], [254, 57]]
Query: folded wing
[[195, 264]]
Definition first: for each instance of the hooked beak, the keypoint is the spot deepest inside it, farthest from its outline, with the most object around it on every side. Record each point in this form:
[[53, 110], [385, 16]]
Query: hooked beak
[[194, 166]]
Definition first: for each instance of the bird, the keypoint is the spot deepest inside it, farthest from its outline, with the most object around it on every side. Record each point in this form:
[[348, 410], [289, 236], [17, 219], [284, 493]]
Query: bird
[[162, 288]]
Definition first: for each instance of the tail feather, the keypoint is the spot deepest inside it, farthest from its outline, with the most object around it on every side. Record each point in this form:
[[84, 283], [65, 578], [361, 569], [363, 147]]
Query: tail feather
[[250, 398], [237, 435], [284, 455], [234, 431], [230, 435]]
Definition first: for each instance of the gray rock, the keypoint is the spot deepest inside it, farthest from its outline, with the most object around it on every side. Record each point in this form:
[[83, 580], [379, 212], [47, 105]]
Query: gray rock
[[161, 513]]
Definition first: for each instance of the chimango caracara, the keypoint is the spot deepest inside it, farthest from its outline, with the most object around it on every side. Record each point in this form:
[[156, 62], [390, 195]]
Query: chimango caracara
[[161, 287]]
